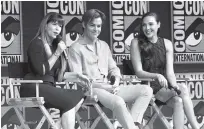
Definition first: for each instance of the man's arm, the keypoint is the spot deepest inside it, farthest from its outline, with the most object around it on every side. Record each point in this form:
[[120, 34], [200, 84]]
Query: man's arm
[[113, 70], [75, 62]]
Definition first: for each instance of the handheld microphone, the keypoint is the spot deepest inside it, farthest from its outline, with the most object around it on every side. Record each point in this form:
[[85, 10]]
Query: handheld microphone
[[58, 39], [175, 89]]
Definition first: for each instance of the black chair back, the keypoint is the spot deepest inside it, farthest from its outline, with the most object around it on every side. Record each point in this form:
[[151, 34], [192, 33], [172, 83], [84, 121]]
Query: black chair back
[[199, 109], [18, 70], [128, 67]]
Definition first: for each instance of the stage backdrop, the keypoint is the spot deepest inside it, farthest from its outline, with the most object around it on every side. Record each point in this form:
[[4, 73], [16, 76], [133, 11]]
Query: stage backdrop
[[124, 22], [188, 31], [11, 51], [188, 40], [181, 22]]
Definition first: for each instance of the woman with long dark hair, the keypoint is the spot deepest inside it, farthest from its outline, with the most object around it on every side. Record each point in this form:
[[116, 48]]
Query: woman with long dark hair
[[47, 62], [152, 57]]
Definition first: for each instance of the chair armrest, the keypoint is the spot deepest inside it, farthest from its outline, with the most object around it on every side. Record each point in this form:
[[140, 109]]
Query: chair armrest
[[58, 83], [27, 81], [37, 82], [145, 79], [136, 79]]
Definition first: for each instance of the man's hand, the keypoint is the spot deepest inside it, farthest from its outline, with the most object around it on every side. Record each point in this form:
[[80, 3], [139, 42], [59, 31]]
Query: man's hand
[[115, 90], [117, 81], [115, 85]]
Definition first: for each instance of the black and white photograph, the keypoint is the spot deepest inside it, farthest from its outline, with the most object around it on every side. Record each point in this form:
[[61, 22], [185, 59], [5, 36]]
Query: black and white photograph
[[102, 64]]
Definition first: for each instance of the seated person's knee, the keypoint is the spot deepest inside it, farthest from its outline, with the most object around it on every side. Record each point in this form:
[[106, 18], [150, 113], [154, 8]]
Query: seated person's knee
[[148, 91], [178, 100], [184, 89], [119, 102]]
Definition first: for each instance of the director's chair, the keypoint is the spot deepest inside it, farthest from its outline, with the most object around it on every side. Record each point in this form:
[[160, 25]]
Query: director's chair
[[86, 123], [124, 81], [155, 106], [92, 102], [16, 72]]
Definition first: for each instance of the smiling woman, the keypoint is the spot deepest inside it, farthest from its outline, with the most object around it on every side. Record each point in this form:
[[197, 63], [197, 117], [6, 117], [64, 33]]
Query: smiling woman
[[47, 62], [152, 57]]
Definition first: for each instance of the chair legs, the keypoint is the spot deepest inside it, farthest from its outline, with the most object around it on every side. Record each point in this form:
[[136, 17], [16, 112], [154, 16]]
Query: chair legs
[[48, 117], [41, 122], [87, 125], [21, 118], [157, 112], [104, 117]]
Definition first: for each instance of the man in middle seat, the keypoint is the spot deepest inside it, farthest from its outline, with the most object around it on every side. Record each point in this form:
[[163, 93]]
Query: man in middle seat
[[92, 57]]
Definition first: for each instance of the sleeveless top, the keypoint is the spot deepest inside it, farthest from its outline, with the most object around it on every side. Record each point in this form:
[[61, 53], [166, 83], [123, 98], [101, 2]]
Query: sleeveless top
[[156, 63]]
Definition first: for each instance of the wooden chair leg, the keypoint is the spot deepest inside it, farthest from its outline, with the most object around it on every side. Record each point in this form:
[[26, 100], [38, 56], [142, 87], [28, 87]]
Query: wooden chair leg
[[104, 117], [21, 118], [94, 124], [41, 122], [150, 122], [161, 116], [82, 124], [85, 125], [48, 117]]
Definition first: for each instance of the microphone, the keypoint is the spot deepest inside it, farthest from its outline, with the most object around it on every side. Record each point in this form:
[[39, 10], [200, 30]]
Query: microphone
[[58, 39], [175, 89]]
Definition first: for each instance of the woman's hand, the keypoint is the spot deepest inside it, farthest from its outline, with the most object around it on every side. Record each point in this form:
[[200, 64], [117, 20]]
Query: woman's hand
[[162, 80], [61, 46], [84, 80]]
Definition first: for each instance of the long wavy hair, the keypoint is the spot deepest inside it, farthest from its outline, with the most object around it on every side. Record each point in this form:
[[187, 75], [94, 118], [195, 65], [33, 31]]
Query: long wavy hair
[[144, 43], [42, 33], [42, 30]]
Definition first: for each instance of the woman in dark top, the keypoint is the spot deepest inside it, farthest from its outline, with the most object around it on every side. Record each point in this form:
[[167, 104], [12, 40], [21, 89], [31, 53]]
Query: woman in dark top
[[47, 63], [152, 57]]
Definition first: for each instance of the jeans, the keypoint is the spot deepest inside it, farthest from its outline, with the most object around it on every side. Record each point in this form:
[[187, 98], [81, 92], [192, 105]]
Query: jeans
[[139, 95]]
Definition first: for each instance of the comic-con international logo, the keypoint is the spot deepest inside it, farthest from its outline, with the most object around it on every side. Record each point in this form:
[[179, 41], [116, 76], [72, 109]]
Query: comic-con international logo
[[188, 31], [195, 35], [10, 28], [72, 12], [11, 44], [73, 30], [126, 18]]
